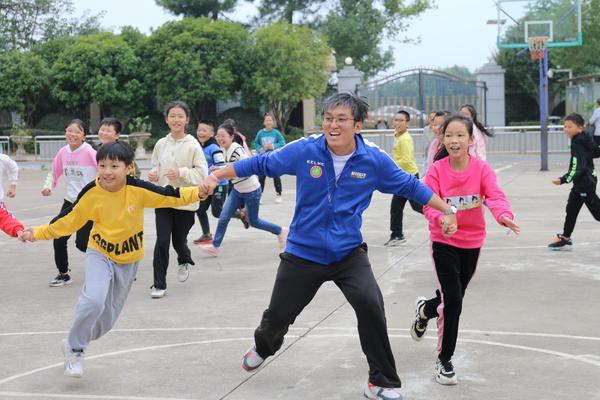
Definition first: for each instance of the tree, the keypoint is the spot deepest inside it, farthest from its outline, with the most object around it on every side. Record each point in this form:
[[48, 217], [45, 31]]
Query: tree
[[101, 68], [198, 61], [25, 22], [356, 28], [283, 10], [198, 8], [291, 64], [24, 80]]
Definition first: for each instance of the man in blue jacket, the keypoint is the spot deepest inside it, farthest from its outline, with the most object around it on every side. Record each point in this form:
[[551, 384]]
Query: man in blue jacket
[[336, 174]]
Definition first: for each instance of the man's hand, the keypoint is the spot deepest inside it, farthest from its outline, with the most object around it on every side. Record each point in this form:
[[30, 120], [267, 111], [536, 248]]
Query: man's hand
[[556, 181], [46, 192], [207, 187], [12, 191], [449, 225]]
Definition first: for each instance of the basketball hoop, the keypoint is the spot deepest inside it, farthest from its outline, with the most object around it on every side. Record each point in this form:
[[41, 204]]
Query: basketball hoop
[[537, 45]]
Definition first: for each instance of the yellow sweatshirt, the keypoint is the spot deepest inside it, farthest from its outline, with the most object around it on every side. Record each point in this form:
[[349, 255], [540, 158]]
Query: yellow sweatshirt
[[118, 216], [403, 153]]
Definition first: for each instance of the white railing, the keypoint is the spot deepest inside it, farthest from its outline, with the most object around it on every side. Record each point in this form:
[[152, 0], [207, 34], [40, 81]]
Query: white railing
[[4, 145], [506, 139], [46, 146]]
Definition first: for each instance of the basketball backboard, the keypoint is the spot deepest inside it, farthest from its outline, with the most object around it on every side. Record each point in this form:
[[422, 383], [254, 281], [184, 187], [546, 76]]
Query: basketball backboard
[[559, 20]]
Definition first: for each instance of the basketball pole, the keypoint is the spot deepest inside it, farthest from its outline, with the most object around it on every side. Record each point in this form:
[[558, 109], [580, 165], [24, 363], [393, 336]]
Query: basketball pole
[[544, 110]]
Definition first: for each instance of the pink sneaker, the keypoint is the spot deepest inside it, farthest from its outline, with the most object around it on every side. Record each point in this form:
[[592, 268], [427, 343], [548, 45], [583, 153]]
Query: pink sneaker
[[210, 249], [282, 237]]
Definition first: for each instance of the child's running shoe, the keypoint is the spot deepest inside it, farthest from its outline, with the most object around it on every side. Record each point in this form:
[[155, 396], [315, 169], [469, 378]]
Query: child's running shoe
[[73, 361], [444, 373], [210, 249], [419, 325], [382, 393], [60, 280], [206, 238], [561, 243]]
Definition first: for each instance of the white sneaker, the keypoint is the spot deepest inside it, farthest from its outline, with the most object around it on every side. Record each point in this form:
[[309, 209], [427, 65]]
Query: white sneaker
[[158, 293], [444, 373], [378, 392], [73, 361], [210, 249], [282, 237], [183, 273], [278, 199]]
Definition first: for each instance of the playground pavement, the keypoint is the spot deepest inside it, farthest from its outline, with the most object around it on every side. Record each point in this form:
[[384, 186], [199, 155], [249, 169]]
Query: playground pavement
[[525, 333]]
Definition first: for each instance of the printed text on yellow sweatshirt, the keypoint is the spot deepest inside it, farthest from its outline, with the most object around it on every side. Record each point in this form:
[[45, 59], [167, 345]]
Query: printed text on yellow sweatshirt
[[118, 216]]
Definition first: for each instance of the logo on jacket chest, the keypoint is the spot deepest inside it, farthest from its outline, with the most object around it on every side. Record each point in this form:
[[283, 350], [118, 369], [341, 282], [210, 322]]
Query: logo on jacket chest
[[316, 171]]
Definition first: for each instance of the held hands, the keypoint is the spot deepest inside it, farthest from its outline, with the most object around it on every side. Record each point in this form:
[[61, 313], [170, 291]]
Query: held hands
[[46, 192], [510, 224], [207, 187], [449, 225], [556, 181], [26, 235]]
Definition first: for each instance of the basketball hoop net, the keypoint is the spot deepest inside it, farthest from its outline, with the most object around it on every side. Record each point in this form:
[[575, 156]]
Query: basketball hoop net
[[537, 45]]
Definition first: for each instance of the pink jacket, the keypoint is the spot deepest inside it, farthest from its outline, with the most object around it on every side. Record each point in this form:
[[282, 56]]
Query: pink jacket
[[466, 190]]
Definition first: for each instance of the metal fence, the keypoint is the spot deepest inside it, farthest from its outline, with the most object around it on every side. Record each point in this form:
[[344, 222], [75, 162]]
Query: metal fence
[[4, 145], [507, 139], [46, 146]]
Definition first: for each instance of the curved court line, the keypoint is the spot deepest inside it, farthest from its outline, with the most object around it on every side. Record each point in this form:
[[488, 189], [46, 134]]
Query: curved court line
[[323, 328], [173, 345]]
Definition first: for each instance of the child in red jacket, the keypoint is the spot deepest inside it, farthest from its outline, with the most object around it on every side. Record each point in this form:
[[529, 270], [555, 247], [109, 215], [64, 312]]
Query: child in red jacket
[[8, 223]]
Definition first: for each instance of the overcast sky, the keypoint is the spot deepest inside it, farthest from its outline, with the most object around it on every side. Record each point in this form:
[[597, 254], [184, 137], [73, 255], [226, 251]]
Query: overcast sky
[[455, 33]]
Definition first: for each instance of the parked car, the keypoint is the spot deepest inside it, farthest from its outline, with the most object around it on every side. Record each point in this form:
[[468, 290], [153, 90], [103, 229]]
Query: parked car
[[383, 117]]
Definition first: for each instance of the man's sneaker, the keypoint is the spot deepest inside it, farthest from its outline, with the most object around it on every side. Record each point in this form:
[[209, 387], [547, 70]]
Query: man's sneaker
[[444, 373], [251, 360], [282, 237], [395, 241], [419, 325], [561, 243], [73, 361], [60, 280], [157, 293], [278, 199], [183, 273], [210, 249], [204, 239], [378, 392], [244, 218]]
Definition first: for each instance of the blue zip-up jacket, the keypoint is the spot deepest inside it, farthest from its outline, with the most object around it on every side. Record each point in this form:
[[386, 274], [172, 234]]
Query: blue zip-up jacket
[[328, 215], [214, 155]]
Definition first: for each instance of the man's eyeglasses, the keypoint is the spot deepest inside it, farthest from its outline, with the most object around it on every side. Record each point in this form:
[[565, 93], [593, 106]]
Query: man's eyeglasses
[[339, 121]]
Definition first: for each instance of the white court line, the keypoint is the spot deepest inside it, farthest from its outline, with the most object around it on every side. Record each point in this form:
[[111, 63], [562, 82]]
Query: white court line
[[150, 348], [497, 170], [53, 205], [302, 329]]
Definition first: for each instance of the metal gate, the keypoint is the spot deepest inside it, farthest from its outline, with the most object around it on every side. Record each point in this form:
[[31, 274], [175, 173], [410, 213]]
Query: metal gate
[[420, 91]]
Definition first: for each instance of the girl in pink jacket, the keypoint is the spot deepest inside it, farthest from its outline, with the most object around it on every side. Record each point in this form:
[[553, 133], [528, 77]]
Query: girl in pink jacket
[[465, 182]]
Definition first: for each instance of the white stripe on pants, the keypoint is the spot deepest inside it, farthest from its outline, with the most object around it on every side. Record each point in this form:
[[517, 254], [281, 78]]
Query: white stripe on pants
[[102, 298]]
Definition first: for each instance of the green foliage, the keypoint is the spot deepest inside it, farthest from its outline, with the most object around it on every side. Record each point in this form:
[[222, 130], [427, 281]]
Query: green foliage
[[140, 124], [101, 68], [293, 133], [24, 79], [20, 129], [198, 8], [54, 121], [198, 61], [283, 10], [26, 22], [248, 121], [291, 62]]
